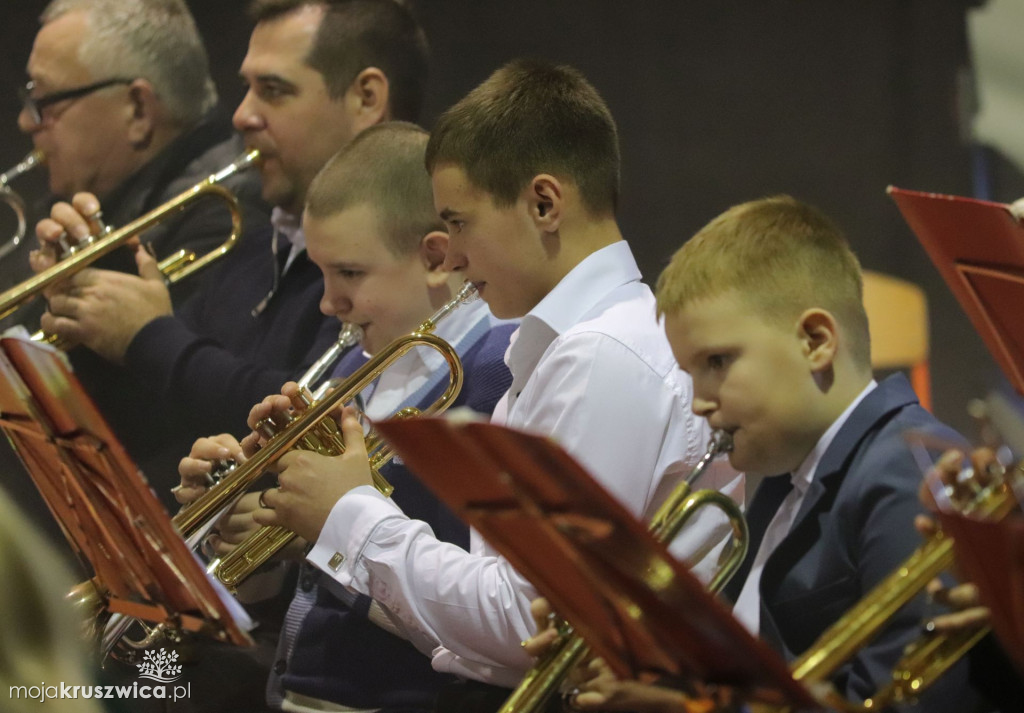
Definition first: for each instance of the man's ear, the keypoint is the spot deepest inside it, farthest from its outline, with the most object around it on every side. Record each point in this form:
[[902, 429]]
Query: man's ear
[[145, 111], [544, 196], [368, 98], [819, 332], [433, 248]]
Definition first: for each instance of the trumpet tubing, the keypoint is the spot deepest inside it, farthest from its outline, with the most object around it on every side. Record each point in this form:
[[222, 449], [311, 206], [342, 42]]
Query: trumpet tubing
[[178, 266], [14, 200], [924, 660], [349, 335], [316, 420], [232, 569], [547, 675]]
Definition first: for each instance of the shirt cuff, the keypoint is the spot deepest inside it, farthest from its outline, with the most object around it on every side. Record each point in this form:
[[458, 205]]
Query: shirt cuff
[[346, 533]]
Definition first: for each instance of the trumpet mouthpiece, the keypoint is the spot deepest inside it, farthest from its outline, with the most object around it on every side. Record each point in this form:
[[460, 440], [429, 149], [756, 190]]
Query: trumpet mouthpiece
[[468, 293], [721, 441]]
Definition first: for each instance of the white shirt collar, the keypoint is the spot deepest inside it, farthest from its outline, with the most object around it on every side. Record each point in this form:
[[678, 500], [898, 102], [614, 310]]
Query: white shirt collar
[[585, 285], [563, 307], [290, 226]]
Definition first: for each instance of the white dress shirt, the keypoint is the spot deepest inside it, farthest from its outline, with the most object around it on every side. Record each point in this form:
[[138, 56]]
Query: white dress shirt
[[748, 604], [592, 368]]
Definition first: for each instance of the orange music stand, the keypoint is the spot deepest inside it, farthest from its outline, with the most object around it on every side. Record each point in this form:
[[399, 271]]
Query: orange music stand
[[600, 568], [109, 515]]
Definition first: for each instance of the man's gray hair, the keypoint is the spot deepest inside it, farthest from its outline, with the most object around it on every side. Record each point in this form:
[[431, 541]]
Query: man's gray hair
[[156, 40]]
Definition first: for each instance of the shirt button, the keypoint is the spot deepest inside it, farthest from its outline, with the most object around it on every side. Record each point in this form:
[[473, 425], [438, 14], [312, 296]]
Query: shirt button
[[307, 582], [280, 666]]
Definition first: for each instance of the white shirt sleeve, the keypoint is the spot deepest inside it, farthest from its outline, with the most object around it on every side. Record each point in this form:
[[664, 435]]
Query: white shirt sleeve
[[629, 425]]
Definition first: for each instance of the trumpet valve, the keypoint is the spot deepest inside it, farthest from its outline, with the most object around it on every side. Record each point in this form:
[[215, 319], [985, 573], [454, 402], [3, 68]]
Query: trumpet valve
[[220, 470], [272, 425]]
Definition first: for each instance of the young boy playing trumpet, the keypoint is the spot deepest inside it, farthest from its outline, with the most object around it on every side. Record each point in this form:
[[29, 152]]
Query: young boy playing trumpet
[[371, 228], [525, 175], [763, 308]]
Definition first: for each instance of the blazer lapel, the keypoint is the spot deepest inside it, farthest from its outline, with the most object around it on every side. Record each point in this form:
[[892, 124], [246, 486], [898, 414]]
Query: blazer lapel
[[891, 395], [888, 397]]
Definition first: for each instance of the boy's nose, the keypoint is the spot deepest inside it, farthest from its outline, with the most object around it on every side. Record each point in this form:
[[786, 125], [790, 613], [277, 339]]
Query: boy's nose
[[702, 406], [334, 305], [454, 261]]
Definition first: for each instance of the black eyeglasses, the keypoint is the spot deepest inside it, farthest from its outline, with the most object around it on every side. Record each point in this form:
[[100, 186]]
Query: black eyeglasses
[[36, 105]]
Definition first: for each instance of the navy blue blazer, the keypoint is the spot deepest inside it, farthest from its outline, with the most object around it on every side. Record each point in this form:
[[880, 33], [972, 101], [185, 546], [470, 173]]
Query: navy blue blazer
[[854, 527]]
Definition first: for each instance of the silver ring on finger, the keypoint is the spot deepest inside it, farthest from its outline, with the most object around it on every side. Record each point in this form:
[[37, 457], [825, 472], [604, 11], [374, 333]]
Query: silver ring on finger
[[263, 503]]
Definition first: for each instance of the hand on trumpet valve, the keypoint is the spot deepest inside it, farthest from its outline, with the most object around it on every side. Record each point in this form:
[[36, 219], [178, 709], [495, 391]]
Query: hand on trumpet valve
[[597, 688], [547, 630], [272, 415], [101, 309], [951, 485], [968, 613], [593, 686], [198, 470], [310, 484], [233, 527], [70, 225], [948, 482], [104, 309]]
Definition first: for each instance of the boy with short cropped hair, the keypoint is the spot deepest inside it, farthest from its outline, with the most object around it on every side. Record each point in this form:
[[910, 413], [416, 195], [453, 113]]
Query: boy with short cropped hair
[[763, 308], [371, 229], [525, 175]]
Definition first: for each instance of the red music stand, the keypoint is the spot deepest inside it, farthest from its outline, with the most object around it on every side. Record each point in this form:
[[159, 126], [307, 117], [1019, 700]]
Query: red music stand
[[978, 247], [109, 515], [633, 602], [991, 554]]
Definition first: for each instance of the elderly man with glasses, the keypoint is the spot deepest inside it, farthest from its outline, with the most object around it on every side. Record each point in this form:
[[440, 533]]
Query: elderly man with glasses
[[121, 103]]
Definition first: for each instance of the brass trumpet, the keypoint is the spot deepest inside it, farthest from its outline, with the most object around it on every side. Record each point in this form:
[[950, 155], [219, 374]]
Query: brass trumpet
[[112, 630], [175, 268], [315, 429], [15, 201], [349, 335], [924, 660], [547, 675]]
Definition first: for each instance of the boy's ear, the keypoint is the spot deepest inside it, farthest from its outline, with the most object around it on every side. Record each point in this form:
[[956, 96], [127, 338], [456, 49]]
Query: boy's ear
[[545, 196], [819, 332], [433, 248], [367, 98]]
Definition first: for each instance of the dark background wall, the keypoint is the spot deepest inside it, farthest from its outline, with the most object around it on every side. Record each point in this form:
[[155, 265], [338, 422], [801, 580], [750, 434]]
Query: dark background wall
[[717, 103]]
